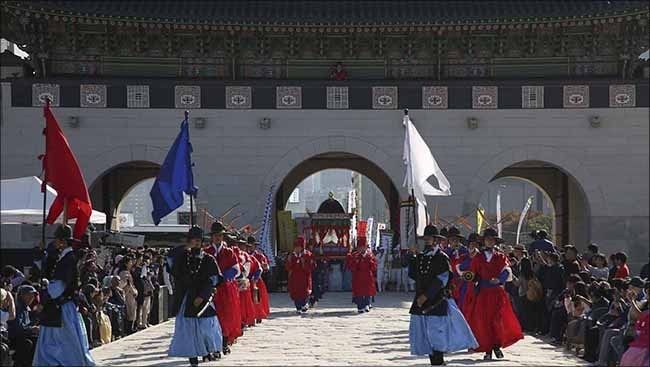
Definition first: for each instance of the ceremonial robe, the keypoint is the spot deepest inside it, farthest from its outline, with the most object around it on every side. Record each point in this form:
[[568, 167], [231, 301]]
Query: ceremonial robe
[[491, 316], [196, 331], [262, 309], [363, 267], [249, 266], [300, 266], [437, 325], [226, 299], [62, 339]]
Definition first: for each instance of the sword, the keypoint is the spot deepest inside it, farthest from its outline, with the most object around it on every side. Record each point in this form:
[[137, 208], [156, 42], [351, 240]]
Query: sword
[[207, 304]]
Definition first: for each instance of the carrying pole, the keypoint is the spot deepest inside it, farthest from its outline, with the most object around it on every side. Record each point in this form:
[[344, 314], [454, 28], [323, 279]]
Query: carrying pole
[[415, 217]]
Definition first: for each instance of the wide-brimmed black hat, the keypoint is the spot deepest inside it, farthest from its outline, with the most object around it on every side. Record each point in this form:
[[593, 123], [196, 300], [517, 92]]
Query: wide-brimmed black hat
[[454, 232], [473, 237], [491, 232], [195, 232], [431, 231], [444, 232], [251, 240], [217, 228]]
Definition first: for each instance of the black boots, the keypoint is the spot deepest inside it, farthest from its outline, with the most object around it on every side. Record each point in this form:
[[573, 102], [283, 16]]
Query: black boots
[[194, 361], [436, 358], [498, 353]]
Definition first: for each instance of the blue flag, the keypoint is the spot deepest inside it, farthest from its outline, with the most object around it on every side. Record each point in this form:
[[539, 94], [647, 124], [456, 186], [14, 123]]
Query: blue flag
[[175, 177]]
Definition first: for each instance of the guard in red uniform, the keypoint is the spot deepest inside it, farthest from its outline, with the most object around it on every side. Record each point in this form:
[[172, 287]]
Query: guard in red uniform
[[249, 267], [262, 308], [363, 265], [226, 299], [491, 318], [300, 265]]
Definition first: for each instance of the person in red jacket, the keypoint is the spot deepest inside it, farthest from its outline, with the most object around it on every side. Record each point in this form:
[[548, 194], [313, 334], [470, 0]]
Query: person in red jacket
[[249, 267], [262, 307], [300, 264], [363, 265], [491, 318], [226, 297]]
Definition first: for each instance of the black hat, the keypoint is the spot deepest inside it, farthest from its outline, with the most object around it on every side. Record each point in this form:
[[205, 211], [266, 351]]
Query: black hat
[[454, 232], [195, 232], [541, 234], [217, 228], [444, 232], [251, 240], [431, 231], [473, 237], [63, 232], [490, 232]]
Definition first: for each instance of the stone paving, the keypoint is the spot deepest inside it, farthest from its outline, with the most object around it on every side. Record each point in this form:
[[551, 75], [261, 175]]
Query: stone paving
[[332, 334]]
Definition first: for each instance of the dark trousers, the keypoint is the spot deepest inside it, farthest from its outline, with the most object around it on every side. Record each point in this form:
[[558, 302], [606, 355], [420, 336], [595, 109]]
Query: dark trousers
[[558, 323], [361, 301], [300, 304], [531, 314]]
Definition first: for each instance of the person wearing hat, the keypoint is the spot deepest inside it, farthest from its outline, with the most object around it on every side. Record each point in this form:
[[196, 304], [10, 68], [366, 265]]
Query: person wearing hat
[[457, 253], [250, 269], [226, 297], [492, 319], [436, 325], [541, 243], [462, 268], [197, 332], [363, 265], [22, 331], [62, 339], [300, 265], [262, 308]]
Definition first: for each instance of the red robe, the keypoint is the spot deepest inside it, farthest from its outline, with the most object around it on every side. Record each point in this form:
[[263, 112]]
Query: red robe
[[226, 297], [300, 268], [262, 309], [491, 317], [363, 268], [249, 266]]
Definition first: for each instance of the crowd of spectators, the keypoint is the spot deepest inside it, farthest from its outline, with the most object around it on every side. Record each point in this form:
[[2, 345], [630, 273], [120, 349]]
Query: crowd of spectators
[[588, 302], [115, 298]]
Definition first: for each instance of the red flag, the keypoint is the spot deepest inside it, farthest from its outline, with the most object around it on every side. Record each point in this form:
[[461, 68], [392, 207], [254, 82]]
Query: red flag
[[61, 171]]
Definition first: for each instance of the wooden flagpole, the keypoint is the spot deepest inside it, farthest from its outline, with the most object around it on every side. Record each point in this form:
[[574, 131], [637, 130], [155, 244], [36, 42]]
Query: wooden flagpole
[[44, 183], [187, 118], [415, 216]]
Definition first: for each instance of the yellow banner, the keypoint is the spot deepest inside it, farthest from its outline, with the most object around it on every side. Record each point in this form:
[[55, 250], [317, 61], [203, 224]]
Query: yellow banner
[[480, 213], [287, 231]]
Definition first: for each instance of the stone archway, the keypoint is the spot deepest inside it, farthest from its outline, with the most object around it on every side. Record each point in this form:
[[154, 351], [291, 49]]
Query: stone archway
[[108, 190], [575, 196], [383, 165]]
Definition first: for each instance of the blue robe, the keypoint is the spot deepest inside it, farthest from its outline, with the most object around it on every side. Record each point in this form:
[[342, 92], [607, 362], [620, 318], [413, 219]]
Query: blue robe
[[66, 345], [446, 333]]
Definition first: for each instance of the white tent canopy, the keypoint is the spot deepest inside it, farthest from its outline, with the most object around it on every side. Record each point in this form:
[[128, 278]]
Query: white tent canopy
[[22, 202]]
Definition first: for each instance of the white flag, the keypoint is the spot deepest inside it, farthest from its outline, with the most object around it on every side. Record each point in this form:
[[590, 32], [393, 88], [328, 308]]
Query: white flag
[[529, 202], [420, 165], [499, 227]]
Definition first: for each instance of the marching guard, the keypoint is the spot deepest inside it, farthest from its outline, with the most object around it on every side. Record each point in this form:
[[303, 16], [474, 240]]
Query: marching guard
[[490, 315], [62, 339], [262, 306], [226, 298], [300, 265], [437, 326], [249, 267], [197, 332], [363, 265]]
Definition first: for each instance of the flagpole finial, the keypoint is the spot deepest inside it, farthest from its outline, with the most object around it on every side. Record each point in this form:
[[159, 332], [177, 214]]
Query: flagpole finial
[[187, 114], [406, 112]]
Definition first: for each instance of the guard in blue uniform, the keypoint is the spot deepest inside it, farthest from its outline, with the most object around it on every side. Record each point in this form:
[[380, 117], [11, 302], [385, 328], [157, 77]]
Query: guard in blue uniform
[[197, 332], [62, 339], [437, 326]]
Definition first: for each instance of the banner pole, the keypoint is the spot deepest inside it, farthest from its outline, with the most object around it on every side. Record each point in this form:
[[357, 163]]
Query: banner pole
[[44, 183]]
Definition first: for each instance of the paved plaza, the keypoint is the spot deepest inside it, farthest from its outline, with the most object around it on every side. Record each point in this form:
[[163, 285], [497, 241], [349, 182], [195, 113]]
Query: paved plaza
[[333, 334]]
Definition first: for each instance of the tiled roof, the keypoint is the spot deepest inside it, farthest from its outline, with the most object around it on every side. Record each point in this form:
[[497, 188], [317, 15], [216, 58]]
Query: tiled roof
[[336, 12]]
